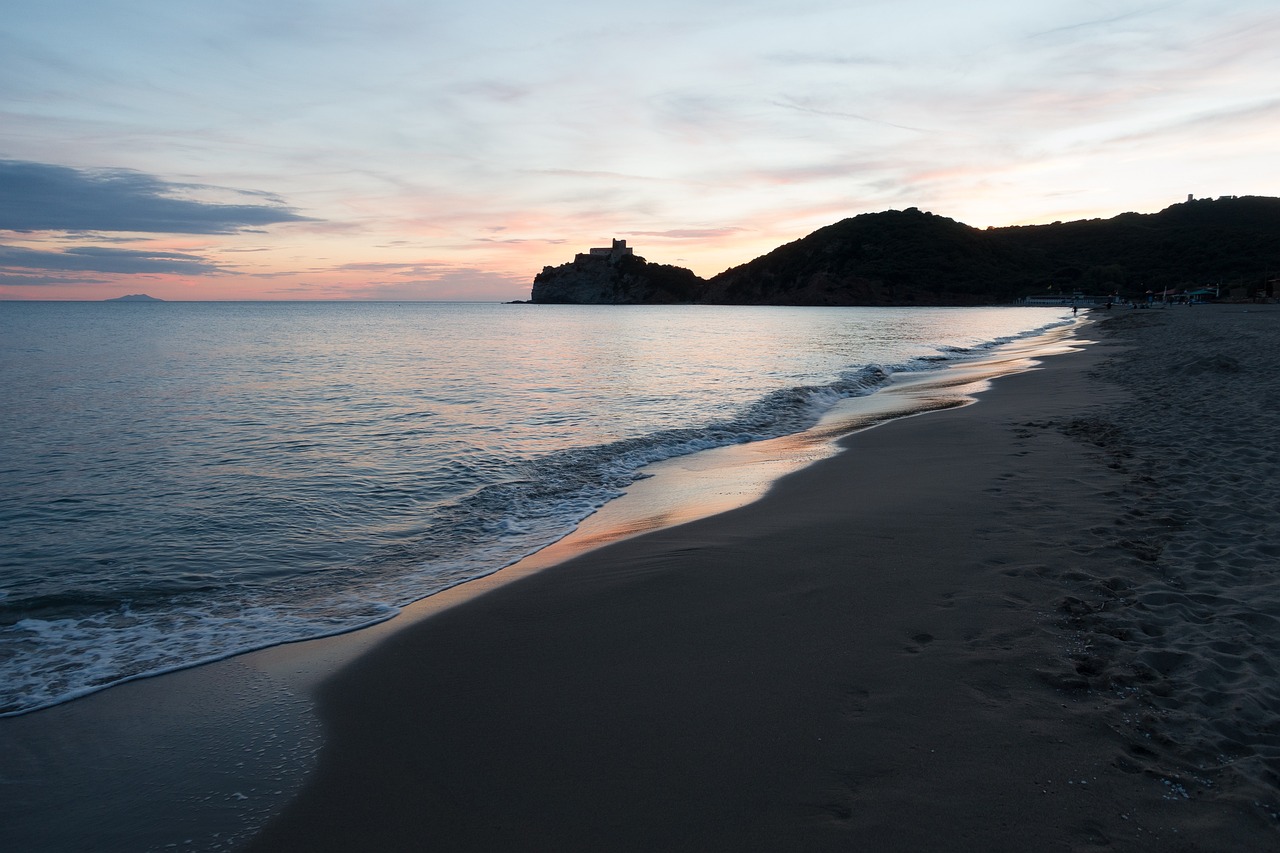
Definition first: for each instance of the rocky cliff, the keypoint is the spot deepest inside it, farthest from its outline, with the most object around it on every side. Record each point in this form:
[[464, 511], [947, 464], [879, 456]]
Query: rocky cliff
[[617, 279]]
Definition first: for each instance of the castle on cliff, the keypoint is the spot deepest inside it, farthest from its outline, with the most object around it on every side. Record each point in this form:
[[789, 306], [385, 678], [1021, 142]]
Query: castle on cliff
[[613, 253]]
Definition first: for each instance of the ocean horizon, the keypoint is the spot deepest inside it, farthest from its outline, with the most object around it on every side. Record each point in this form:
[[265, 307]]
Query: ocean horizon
[[186, 481]]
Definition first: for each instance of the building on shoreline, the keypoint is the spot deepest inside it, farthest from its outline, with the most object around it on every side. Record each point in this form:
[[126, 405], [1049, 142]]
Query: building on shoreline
[[1079, 299]]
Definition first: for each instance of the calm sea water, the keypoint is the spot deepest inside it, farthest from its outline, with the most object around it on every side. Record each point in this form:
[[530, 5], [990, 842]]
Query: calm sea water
[[184, 481]]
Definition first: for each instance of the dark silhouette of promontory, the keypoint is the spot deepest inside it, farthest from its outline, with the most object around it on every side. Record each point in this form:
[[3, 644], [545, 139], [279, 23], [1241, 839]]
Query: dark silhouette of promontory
[[616, 276], [910, 257], [134, 297]]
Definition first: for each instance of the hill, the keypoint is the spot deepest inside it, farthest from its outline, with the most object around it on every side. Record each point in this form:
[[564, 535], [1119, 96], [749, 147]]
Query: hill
[[911, 257], [915, 258], [899, 257]]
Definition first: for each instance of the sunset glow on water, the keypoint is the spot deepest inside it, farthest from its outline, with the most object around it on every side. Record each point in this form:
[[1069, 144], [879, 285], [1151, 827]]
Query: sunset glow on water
[[184, 481]]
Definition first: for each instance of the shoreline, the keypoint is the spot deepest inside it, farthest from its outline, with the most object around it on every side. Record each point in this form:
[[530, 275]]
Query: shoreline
[[986, 673], [385, 603], [743, 723], [967, 626], [247, 721], [699, 485]]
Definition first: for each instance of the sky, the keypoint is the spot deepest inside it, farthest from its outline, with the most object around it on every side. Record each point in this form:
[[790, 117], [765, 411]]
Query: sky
[[442, 150]]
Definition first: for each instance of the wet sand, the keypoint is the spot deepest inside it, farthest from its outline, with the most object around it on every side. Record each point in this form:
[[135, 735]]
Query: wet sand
[[199, 759], [1046, 621]]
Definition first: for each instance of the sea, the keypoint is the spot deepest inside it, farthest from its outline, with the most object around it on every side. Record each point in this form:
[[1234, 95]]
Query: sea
[[181, 481]]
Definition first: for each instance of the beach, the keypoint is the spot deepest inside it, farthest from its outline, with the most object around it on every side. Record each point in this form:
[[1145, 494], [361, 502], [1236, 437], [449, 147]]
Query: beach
[[1038, 614], [1042, 621]]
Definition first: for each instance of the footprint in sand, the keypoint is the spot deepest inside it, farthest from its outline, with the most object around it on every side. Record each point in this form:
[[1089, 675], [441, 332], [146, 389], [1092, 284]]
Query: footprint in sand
[[918, 642]]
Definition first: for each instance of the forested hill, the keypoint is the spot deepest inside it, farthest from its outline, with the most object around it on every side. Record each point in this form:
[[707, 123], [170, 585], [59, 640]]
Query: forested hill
[[914, 258], [908, 257]]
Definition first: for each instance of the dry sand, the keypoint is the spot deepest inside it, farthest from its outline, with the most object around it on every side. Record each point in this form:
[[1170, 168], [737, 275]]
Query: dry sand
[[1047, 621]]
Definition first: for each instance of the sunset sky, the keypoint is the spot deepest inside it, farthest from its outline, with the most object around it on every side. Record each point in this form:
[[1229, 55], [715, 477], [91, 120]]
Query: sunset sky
[[429, 150]]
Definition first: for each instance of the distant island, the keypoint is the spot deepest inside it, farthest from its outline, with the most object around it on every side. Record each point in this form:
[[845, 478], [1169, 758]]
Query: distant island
[[909, 257], [134, 297]]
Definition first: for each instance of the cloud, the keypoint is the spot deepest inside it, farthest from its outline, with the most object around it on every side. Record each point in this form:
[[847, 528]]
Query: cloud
[[9, 279], [1072, 29], [518, 241], [793, 105], [46, 197], [105, 260], [1262, 112], [423, 283], [585, 173], [801, 58], [688, 233], [419, 268]]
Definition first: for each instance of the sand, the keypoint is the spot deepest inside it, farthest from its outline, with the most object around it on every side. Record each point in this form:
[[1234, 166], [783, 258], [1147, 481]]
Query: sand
[[1045, 621]]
